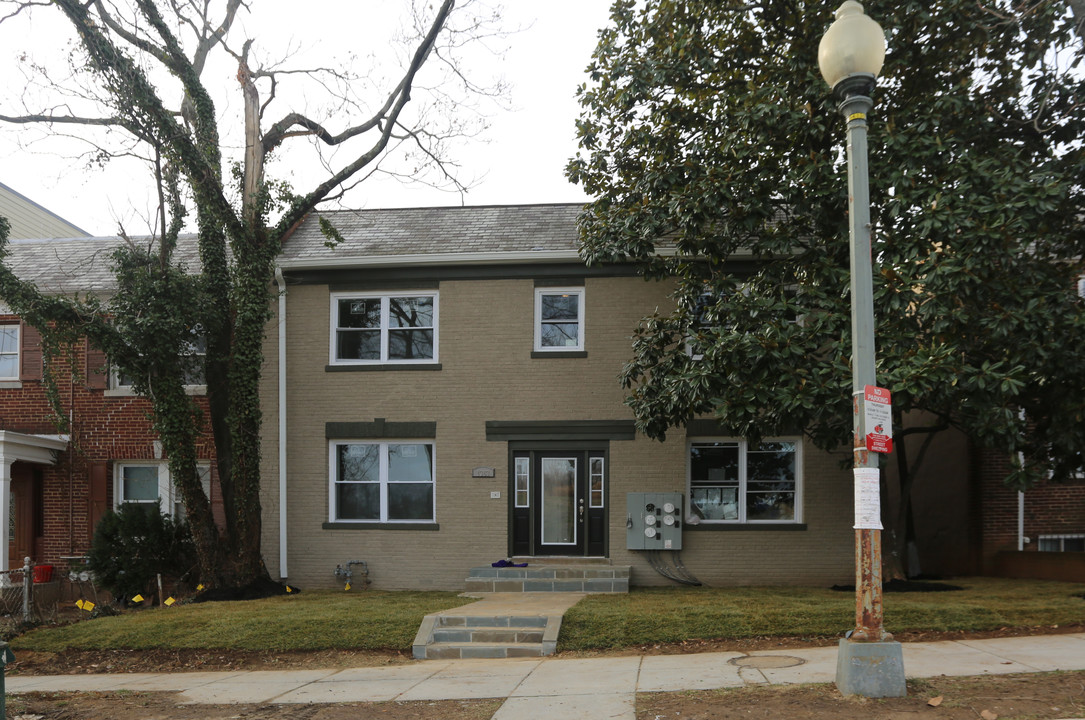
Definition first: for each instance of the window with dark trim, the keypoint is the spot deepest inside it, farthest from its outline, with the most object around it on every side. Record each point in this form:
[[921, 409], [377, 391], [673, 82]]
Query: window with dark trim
[[731, 481], [559, 319], [381, 482]]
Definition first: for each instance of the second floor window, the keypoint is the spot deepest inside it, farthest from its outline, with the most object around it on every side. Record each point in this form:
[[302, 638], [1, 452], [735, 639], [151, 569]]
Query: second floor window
[[559, 319], [384, 328], [9, 352], [194, 349]]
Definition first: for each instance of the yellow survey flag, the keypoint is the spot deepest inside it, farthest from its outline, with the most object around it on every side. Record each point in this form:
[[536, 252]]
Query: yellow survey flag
[[137, 598], [169, 601]]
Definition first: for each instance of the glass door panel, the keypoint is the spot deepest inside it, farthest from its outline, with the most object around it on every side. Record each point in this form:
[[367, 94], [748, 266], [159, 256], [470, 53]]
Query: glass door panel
[[559, 498]]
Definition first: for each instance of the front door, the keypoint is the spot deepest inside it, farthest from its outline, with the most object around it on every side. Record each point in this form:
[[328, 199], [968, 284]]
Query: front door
[[25, 514], [558, 503]]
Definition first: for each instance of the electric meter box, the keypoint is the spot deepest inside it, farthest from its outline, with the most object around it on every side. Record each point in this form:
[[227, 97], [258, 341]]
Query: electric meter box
[[654, 521]]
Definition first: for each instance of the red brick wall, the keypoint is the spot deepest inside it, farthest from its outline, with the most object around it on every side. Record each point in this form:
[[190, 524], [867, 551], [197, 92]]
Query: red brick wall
[[1050, 509], [103, 429]]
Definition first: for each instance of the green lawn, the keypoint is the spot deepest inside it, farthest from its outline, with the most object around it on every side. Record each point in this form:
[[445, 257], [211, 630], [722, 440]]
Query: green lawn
[[655, 615], [371, 620]]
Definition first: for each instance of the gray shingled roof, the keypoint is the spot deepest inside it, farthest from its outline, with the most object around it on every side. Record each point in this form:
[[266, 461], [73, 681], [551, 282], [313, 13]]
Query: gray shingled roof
[[81, 265], [84, 265], [438, 230]]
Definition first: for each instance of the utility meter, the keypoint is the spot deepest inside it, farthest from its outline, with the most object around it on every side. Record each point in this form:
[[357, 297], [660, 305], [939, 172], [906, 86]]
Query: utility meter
[[654, 521]]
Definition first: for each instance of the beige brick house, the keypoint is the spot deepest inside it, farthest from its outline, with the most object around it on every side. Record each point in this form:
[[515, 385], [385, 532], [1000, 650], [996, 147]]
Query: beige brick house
[[441, 393]]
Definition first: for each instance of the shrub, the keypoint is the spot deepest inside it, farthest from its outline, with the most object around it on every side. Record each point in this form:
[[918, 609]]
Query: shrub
[[134, 544]]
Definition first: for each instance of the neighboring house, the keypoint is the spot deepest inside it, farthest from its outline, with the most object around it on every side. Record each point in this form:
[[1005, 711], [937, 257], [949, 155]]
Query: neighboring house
[[54, 487], [30, 220], [445, 384], [1049, 518]]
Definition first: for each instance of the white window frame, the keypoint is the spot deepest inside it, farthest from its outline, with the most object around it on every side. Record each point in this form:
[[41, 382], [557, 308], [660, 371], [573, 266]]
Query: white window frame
[[522, 482], [384, 480], [15, 353], [596, 498], [1061, 539], [120, 389], [579, 293], [744, 449], [385, 298], [168, 497]]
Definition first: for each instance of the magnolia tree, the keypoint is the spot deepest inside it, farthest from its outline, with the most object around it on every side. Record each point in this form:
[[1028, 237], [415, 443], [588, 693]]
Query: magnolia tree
[[715, 153], [140, 69]]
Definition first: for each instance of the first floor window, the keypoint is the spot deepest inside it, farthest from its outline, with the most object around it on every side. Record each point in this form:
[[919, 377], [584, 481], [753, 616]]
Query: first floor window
[[382, 482], [9, 352], [1062, 543], [733, 481], [142, 484], [148, 484]]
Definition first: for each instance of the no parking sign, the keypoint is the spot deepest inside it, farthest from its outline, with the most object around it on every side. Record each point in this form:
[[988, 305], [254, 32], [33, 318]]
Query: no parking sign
[[878, 419]]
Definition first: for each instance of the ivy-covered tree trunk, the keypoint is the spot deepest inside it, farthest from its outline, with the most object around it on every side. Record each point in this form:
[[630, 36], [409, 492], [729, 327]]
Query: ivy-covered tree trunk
[[159, 307]]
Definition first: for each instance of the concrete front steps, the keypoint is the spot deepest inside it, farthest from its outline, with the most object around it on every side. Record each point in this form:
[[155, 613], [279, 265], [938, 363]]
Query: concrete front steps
[[578, 575], [500, 625], [520, 610], [473, 636]]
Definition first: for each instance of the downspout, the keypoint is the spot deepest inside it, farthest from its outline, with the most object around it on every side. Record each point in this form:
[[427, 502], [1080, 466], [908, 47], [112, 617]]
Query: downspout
[[1021, 498], [1020, 521], [281, 282]]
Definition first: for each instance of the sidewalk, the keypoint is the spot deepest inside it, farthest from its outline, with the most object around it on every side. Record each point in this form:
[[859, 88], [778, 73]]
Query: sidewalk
[[578, 688]]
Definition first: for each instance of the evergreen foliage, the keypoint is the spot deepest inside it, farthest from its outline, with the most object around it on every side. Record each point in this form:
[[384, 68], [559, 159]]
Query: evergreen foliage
[[135, 544], [715, 156]]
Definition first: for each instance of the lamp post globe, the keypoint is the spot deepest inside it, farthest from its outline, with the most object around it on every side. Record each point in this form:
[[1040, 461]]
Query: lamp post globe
[[851, 51]]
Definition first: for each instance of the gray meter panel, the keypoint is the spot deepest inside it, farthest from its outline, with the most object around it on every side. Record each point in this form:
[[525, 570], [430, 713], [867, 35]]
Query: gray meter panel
[[654, 521]]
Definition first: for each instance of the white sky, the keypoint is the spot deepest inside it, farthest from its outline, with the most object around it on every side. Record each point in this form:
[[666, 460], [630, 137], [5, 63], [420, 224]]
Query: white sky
[[520, 159]]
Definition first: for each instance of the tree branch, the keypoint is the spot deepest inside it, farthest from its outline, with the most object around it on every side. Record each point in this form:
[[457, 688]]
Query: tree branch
[[387, 122]]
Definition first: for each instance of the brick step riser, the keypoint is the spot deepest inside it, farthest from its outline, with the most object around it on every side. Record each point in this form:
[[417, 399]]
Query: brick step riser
[[486, 635], [469, 621], [457, 652], [561, 573], [593, 585]]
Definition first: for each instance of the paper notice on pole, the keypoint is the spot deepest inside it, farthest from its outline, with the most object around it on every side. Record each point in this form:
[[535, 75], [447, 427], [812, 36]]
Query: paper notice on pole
[[868, 505]]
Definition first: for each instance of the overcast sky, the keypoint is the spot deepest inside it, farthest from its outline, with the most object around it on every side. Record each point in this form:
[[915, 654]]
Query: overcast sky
[[520, 161]]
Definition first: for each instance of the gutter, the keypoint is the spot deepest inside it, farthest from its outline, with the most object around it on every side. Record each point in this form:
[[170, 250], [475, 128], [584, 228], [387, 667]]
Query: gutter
[[455, 258], [281, 283]]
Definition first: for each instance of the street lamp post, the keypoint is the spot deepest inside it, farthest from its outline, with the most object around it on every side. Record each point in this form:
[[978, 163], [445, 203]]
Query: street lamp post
[[850, 56]]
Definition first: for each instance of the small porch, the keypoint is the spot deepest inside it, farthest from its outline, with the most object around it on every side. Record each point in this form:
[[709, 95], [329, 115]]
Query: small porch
[[29, 451]]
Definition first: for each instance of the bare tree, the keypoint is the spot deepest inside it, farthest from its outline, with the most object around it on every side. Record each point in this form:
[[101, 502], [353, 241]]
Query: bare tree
[[138, 55]]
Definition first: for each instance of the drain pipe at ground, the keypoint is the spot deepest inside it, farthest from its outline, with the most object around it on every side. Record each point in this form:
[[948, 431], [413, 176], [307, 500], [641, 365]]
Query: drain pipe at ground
[[280, 281]]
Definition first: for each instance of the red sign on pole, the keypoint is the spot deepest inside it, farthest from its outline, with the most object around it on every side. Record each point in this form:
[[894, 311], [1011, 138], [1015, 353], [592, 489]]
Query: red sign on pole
[[878, 419]]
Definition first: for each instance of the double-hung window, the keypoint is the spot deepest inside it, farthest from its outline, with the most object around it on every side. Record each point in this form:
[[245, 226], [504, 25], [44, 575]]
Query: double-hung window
[[731, 481], [1062, 543], [148, 484], [382, 482], [194, 350], [399, 328], [559, 319], [9, 352]]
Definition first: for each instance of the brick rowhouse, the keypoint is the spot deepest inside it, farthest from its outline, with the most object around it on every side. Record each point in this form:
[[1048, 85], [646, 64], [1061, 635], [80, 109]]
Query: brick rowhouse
[[56, 506]]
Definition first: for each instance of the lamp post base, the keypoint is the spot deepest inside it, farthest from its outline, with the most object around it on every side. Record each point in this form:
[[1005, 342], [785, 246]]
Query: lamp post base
[[870, 669]]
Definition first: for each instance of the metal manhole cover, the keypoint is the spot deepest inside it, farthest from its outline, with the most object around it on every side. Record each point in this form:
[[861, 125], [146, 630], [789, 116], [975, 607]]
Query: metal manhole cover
[[763, 662]]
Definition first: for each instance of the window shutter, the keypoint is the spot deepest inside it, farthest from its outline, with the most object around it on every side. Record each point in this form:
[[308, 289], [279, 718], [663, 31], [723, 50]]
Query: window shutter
[[97, 495], [97, 372], [30, 353]]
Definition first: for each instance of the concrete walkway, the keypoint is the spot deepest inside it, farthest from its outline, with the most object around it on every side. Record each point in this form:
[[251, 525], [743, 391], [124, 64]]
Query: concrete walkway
[[557, 688]]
